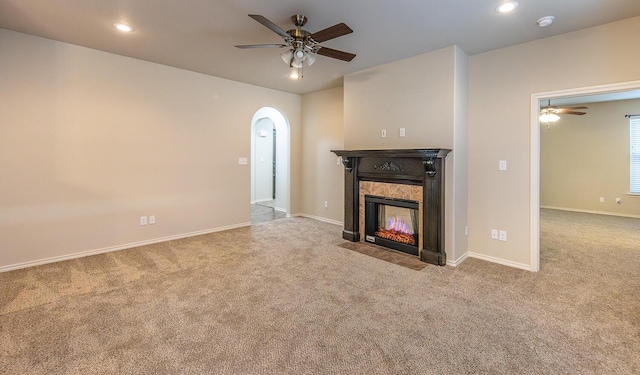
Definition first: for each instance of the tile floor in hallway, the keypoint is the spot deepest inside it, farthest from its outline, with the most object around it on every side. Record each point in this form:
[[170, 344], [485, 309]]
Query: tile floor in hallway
[[262, 213]]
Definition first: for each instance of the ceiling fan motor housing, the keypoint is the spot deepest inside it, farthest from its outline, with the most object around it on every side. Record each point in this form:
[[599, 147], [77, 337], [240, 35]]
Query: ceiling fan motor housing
[[298, 34]]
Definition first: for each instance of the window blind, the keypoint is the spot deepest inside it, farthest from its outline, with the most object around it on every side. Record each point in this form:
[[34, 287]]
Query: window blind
[[634, 125]]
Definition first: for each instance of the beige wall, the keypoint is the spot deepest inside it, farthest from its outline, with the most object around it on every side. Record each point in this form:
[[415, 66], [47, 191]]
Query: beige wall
[[322, 177], [583, 158], [91, 141], [500, 87], [414, 93], [426, 95]]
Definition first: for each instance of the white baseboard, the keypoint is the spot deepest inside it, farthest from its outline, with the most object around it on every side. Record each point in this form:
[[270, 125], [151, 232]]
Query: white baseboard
[[323, 219], [81, 254], [457, 262], [262, 200], [590, 211], [280, 209], [491, 259]]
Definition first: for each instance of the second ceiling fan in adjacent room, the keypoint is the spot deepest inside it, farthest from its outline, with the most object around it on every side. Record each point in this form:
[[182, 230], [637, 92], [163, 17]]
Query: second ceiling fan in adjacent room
[[551, 113]]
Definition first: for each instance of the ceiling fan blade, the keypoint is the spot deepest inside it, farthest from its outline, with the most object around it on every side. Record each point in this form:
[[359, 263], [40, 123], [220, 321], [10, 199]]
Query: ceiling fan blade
[[270, 25], [561, 107], [334, 53], [331, 32], [245, 46], [581, 107], [563, 112]]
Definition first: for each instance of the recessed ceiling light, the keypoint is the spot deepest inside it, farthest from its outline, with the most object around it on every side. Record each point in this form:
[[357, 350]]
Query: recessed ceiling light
[[507, 7], [545, 21], [123, 27]]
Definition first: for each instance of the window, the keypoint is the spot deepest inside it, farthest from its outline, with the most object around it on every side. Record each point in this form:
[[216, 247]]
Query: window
[[634, 125]]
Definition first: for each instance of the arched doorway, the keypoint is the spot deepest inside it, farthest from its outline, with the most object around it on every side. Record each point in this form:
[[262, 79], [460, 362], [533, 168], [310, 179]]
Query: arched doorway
[[270, 167]]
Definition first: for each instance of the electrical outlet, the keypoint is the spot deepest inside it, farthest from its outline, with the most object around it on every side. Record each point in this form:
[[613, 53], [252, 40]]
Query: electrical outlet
[[383, 134], [402, 132], [503, 235], [339, 161], [152, 220], [601, 199], [466, 231], [326, 204], [502, 165], [143, 220], [494, 234]]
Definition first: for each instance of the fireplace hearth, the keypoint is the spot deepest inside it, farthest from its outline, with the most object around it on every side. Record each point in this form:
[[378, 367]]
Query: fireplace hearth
[[385, 211]]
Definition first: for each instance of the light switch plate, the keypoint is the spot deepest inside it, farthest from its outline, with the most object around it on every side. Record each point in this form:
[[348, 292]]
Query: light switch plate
[[242, 161], [502, 165]]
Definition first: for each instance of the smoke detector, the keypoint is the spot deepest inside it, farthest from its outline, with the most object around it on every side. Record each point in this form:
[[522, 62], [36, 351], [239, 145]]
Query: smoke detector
[[545, 21]]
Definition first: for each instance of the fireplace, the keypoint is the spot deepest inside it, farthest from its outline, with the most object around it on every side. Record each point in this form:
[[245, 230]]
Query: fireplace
[[392, 188], [393, 223]]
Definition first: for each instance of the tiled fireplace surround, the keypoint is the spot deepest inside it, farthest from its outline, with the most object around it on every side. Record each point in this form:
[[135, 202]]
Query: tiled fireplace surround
[[411, 174]]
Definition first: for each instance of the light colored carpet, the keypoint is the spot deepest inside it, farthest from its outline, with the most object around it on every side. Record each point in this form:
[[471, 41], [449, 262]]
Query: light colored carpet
[[283, 298]]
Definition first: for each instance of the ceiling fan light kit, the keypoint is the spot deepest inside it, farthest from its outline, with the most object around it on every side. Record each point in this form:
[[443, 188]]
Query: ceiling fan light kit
[[303, 45], [549, 117]]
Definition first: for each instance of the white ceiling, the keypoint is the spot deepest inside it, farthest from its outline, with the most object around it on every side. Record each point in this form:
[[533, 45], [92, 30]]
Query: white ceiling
[[199, 35], [597, 98]]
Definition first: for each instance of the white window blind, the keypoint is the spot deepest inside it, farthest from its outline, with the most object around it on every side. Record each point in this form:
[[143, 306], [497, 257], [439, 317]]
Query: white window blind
[[634, 125]]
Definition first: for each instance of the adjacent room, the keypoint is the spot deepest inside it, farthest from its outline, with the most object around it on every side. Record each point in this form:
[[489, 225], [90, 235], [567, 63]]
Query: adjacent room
[[299, 187]]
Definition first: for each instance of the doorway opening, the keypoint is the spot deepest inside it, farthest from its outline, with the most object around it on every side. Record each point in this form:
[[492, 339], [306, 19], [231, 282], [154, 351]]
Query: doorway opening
[[270, 165], [610, 92]]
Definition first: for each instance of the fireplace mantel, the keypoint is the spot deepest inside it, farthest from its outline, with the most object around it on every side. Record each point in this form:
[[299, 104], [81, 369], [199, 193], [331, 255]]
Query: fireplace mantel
[[423, 167]]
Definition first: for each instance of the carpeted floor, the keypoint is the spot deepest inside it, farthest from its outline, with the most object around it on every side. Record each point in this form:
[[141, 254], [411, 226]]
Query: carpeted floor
[[283, 298]]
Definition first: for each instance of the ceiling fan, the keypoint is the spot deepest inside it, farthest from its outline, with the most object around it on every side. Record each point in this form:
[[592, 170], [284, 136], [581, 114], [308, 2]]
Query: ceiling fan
[[303, 45], [550, 113]]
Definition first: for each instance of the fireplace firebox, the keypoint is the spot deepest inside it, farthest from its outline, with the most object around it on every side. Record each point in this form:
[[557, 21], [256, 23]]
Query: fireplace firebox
[[392, 223]]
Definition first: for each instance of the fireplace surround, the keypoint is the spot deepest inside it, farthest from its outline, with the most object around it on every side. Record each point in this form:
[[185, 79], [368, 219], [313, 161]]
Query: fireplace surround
[[398, 171]]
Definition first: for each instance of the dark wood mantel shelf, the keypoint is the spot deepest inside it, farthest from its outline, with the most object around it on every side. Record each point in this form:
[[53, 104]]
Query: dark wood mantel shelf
[[424, 167]]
